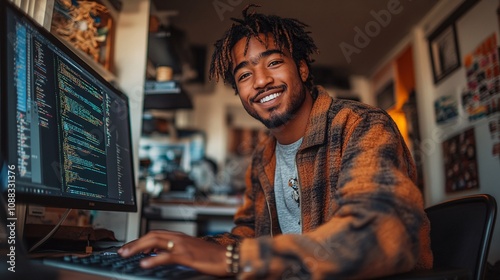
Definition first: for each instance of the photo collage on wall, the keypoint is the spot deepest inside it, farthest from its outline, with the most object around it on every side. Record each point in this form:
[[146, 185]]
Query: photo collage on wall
[[460, 162], [481, 98]]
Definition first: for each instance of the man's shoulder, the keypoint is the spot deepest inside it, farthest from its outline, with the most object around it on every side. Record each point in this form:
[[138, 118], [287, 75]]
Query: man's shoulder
[[347, 105], [332, 114], [351, 108]]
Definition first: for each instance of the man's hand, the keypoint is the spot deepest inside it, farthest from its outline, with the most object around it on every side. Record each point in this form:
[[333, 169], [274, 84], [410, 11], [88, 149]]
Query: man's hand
[[178, 248]]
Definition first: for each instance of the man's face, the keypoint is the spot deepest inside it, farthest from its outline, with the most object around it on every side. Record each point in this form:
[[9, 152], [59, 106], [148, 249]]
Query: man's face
[[269, 84]]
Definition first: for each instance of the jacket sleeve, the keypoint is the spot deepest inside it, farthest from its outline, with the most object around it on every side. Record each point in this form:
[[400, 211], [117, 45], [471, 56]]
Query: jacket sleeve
[[377, 226], [244, 219]]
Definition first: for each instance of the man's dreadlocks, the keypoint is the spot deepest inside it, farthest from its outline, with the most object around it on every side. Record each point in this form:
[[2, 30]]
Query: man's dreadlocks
[[287, 33]]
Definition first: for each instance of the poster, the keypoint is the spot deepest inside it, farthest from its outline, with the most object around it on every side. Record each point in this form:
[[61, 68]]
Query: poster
[[482, 95], [460, 162], [446, 109]]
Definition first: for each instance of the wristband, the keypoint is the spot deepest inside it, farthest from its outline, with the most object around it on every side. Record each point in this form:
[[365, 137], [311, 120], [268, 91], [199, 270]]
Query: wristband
[[233, 259]]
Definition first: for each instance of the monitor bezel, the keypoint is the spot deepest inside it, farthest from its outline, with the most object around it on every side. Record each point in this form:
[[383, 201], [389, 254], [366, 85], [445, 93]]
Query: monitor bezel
[[47, 200]]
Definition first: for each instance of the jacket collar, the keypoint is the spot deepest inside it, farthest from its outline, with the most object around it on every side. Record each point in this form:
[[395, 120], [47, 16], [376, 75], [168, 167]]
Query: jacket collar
[[317, 125]]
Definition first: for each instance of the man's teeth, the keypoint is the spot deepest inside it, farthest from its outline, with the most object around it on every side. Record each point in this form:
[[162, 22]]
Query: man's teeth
[[270, 97]]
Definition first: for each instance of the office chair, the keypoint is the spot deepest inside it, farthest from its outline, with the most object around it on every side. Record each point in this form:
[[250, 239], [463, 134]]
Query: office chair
[[461, 231]]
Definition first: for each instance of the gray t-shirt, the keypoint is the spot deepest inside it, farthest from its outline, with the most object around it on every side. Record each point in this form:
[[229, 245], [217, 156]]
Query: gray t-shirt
[[286, 188]]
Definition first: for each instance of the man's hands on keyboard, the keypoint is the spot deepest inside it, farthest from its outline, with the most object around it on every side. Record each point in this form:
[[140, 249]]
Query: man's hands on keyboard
[[114, 265], [178, 248]]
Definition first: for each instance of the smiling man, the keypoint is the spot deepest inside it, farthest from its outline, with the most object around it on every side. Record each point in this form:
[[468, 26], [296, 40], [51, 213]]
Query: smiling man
[[330, 194], [271, 86]]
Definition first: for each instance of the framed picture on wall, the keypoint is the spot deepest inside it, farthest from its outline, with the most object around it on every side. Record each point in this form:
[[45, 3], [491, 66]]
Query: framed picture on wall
[[445, 55], [446, 109], [460, 162]]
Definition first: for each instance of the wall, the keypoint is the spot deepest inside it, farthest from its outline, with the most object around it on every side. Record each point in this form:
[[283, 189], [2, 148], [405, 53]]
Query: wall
[[472, 28], [130, 62]]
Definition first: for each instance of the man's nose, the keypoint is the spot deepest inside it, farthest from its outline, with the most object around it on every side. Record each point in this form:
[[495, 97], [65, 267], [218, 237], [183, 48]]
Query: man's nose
[[262, 79]]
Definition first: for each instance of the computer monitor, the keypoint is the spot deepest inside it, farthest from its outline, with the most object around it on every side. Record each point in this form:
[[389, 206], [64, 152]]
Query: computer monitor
[[65, 131]]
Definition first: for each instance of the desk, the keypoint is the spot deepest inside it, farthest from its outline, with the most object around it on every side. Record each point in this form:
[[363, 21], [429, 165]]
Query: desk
[[194, 218]]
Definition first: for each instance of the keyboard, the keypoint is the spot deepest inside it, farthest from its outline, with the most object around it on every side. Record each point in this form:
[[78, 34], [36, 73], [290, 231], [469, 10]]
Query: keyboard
[[113, 265]]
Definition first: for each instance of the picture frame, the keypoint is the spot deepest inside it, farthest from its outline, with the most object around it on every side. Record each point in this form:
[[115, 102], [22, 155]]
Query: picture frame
[[460, 161], [444, 52], [446, 109]]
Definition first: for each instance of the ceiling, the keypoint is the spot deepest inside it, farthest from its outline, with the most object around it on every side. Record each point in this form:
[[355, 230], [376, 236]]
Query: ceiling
[[335, 25]]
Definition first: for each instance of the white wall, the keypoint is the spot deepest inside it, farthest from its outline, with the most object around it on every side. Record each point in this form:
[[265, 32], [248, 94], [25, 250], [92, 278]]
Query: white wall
[[361, 86], [130, 65], [210, 116]]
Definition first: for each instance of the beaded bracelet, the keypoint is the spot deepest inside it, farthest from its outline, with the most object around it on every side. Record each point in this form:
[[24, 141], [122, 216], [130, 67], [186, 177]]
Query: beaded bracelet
[[233, 259]]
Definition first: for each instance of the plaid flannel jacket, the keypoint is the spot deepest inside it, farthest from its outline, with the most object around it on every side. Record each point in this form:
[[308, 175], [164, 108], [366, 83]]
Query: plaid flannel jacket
[[362, 214]]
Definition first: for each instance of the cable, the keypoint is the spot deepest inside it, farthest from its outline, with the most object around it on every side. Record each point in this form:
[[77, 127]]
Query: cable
[[56, 227]]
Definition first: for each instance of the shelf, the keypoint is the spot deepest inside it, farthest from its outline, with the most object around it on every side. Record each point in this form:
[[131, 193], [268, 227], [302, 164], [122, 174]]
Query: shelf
[[165, 87], [105, 73]]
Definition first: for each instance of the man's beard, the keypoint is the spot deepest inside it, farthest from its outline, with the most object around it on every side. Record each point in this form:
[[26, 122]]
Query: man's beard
[[276, 120]]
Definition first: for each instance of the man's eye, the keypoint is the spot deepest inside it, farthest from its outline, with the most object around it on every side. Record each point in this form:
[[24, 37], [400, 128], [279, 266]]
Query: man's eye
[[243, 76], [275, 62]]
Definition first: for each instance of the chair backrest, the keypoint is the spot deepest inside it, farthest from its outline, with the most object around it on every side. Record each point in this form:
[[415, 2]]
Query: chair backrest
[[461, 231]]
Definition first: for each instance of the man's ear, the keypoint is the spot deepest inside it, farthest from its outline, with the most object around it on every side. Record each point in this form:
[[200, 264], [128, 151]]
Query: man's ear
[[303, 71]]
